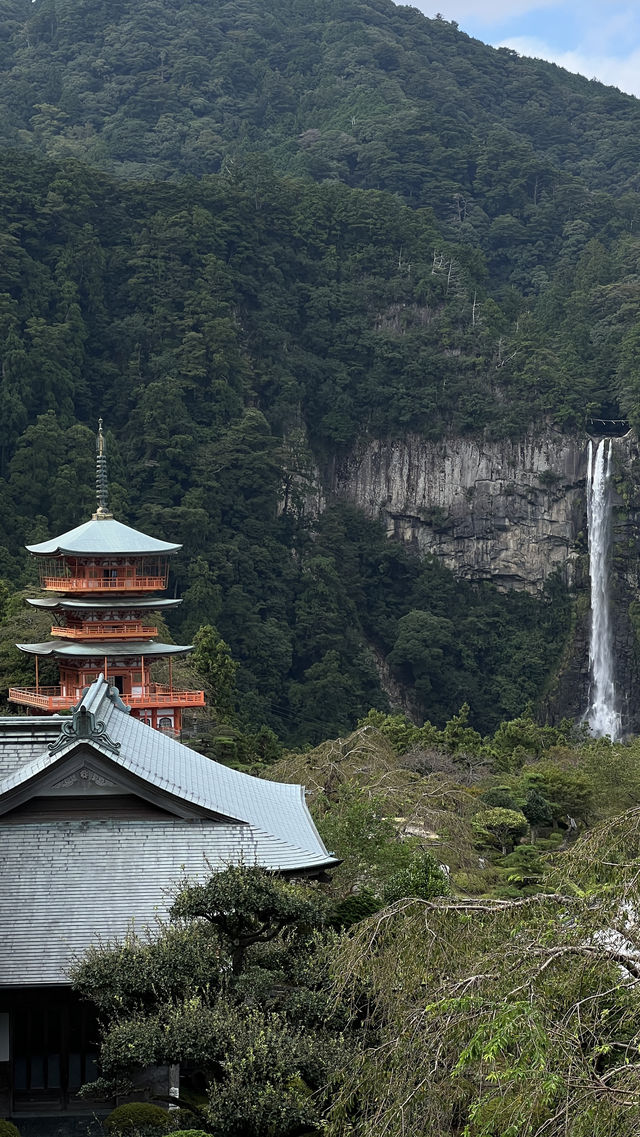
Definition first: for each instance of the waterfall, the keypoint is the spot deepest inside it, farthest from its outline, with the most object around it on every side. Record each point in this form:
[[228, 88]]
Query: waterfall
[[602, 716]]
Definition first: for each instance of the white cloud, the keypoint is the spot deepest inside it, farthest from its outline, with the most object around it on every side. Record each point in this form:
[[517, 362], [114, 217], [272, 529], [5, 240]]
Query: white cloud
[[616, 71], [489, 11], [595, 39]]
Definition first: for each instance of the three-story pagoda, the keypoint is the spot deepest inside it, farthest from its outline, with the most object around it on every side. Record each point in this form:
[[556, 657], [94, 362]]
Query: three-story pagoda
[[105, 577]]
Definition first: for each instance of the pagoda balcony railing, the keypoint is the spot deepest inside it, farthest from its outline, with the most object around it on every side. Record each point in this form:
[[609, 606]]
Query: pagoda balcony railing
[[154, 695], [105, 584], [46, 698], [162, 695], [105, 631]]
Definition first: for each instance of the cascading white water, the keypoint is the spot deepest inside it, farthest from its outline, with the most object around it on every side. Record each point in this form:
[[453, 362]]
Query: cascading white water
[[602, 717]]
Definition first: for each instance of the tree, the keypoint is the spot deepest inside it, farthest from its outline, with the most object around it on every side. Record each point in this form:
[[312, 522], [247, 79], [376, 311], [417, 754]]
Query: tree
[[520, 1016], [235, 990], [211, 658], [537, 810], [505, 825], [246, 906]]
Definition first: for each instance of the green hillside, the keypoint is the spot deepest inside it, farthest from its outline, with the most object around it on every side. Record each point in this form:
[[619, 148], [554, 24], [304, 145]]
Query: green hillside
[[371, 93], [311, 226]]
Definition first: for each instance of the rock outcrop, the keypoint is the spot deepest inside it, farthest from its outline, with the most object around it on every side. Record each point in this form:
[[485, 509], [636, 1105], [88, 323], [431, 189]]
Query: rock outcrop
[[508, 511], [513, 512]]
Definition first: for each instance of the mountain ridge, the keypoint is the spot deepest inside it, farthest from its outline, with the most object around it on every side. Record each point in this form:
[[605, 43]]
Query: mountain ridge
[[157, 88]]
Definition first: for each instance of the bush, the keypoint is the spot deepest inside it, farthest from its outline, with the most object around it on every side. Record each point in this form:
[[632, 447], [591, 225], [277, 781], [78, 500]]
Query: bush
[[351, 909], [190, 1133], [499, 797], [128, 1119], [423, 877], [8, 1129]]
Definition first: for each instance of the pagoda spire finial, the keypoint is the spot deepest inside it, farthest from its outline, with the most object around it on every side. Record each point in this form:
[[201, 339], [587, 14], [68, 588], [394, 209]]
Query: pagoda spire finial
[[102, 481]]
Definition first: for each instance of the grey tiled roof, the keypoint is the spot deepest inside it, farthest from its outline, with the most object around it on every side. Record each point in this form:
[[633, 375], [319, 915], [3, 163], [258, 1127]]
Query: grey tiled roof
[[105, 535], [275, 808], [101, 648], [23, 738], [68, 883], [53, 603]]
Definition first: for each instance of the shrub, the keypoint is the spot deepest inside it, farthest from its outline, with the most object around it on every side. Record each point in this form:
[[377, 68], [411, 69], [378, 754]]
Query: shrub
[[137, 1115], [423, 877], [499, 797], [351, 909], [189, 1133], [8, 1129]]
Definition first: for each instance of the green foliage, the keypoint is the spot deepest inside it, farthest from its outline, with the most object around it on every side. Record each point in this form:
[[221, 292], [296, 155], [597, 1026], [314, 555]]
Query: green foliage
[[423, 877], [505, 825], [537, 810], [519, 1002], [375, 860], [8, 1129], [401, 733], [351, 909], [521, 738], [211, 658], [128, 1119], [500, 797], [236, 992], [180, 962], [524, 868], [216, 438], [319, 233], [569, 791], [247, 906]]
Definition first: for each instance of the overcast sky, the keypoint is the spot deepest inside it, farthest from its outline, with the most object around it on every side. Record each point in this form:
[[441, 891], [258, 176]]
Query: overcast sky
[[599, 39]]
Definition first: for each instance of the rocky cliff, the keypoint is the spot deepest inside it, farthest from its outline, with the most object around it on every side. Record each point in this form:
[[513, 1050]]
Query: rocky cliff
[[511, 512]]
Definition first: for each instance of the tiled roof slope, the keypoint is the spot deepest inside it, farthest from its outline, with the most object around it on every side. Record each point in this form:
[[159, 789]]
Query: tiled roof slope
[[70, 884], [23, 738], [102, 535], [274, 808], [65, 603], [66, 884], [101, 648]]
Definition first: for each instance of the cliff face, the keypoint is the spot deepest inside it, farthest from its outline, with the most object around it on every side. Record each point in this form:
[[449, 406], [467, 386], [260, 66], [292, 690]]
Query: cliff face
[[510, 512], [514, 513]]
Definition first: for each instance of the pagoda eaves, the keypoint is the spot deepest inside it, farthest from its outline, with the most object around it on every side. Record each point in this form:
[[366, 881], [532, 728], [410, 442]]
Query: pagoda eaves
[[111, 566], [101, 537]]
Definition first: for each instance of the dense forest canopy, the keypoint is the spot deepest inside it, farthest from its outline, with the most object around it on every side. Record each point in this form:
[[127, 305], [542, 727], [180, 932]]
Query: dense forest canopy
[[368, 92], [310, 225]]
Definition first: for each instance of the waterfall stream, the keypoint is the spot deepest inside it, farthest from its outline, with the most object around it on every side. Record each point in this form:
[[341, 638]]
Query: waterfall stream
[[602, 717]]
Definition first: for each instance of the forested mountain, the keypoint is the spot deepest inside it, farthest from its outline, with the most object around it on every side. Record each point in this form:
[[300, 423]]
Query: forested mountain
[[368, 92], [311, 225], [258, 240]]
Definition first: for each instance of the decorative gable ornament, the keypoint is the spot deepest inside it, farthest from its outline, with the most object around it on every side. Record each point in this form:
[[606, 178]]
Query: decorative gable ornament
[[83, 775], [83, 728]]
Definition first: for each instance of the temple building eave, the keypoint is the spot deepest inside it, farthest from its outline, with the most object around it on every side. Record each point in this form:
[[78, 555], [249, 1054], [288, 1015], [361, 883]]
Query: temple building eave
[[102, 537], [89, 650], [56, 603]]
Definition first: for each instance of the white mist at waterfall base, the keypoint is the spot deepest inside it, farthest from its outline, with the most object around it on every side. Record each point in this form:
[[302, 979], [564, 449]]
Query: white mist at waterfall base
[[602, 717]]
